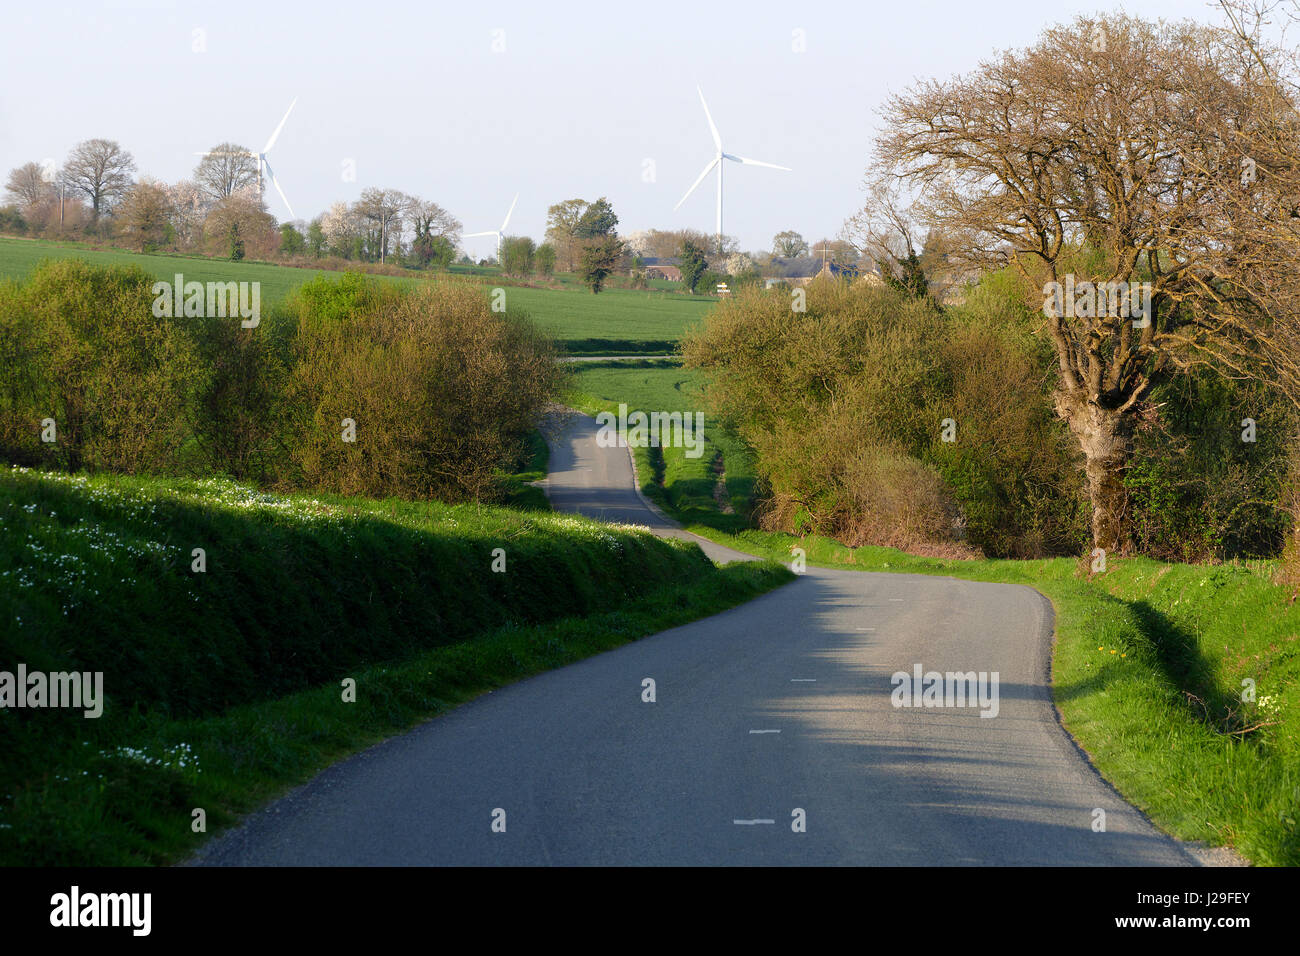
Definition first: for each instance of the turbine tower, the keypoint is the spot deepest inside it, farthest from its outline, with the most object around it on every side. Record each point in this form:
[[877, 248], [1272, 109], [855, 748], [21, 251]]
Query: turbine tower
[[499, 233], [717, 160]]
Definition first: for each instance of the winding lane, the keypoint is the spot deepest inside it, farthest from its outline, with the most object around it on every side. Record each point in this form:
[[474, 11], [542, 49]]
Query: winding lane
[[778, 706]]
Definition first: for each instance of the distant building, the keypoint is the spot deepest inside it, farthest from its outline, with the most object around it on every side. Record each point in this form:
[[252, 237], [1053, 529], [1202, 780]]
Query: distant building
[[794, 271], [662, 268], [801, 271], [833, 270]]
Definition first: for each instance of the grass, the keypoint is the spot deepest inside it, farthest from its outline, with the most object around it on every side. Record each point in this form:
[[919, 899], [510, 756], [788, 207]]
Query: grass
[[1148, 673], [615, 322], [223, 688], [19, 256], [684, 487]]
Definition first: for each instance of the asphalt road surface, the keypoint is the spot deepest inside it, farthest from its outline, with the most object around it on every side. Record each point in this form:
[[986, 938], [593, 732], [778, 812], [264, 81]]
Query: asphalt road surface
[[772, 740]]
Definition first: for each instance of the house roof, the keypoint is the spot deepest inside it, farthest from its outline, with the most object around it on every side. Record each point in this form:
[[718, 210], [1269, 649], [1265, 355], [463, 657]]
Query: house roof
[[805, 267], [802, 267], [839, 270]]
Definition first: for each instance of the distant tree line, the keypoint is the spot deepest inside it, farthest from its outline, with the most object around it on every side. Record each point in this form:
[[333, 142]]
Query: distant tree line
[[220, 211]]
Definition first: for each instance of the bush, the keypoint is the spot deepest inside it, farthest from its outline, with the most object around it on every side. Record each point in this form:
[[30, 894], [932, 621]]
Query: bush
[[83, 348], [1013, 466], [440, 388], [20, 373], [844, 405], [860, 494], [12, 222], [237, 414], [1197, 490]]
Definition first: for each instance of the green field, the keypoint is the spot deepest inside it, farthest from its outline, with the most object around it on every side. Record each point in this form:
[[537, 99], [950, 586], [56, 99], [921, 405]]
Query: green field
[[616, 321], [19, 256], [688, 488]]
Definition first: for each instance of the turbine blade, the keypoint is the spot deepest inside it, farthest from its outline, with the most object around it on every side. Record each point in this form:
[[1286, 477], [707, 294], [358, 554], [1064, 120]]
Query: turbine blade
[[276, 183], [755, 162], [510, 213], [274, 136], [717, 140], [471, 235], [707, 169]]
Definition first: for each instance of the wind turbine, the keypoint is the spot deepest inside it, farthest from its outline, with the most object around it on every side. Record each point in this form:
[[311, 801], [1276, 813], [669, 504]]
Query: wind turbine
[[718, 157], [263, 162], [499, 233]]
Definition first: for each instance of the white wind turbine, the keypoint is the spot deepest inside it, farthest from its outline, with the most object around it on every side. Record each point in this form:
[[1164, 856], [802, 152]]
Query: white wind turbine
[[718, 157], [263, 162], [499, 233]]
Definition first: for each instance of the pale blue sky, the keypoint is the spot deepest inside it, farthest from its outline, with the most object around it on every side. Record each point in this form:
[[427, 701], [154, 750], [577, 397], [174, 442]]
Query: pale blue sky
[[581, 97]]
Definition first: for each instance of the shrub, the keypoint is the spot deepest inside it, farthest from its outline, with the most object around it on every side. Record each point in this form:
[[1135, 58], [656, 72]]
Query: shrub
[[844, 405], [1197, 491], [21, 410], [236, 416], [440, 388], [87, 351], [11, 221]]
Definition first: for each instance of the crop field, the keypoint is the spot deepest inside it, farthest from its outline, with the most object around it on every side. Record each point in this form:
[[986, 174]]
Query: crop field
[[599, 324], [617, 320], [19, 256]]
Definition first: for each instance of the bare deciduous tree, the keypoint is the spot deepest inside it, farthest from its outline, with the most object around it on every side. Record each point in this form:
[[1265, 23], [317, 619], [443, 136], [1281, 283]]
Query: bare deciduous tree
[[238, 226], [1257, 260], [226, 169], [382, 210], [102, 170], [1088, 162], [27, 185], [885, 230]]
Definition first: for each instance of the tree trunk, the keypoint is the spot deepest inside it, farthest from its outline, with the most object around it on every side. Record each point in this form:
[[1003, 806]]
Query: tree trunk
[[1103, 436]]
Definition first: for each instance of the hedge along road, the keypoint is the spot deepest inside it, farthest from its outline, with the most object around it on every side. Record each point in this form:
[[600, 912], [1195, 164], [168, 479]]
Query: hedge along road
[[772, 739]]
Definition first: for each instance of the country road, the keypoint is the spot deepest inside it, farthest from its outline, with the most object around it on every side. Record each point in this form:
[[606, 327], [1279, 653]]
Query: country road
[[778, 706]]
